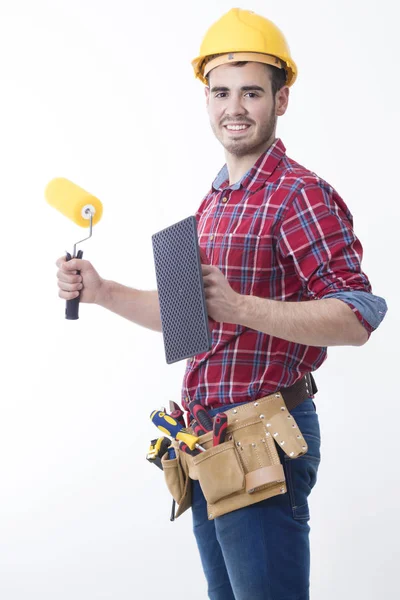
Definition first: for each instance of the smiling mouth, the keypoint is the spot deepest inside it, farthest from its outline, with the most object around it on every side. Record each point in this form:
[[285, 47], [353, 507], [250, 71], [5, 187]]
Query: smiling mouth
[[235, 128]]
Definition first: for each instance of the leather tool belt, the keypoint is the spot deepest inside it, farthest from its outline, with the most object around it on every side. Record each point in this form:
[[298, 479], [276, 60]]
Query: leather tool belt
[[246, 467]]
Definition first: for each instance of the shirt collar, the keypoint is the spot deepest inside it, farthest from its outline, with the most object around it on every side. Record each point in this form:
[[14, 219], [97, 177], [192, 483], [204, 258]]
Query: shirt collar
[[257, 175]]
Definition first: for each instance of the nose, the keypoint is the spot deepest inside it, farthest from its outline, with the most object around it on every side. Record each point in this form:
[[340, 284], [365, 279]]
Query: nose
[[234, 106]]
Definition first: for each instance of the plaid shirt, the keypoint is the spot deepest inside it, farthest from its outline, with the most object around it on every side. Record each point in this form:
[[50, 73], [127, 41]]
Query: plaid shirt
[[281, 233]]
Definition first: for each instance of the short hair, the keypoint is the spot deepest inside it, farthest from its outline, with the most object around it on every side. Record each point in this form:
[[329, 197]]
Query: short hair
[[278, 76]]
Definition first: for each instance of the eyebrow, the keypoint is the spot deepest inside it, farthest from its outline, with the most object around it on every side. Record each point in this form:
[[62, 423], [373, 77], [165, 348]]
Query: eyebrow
[[245, 88]]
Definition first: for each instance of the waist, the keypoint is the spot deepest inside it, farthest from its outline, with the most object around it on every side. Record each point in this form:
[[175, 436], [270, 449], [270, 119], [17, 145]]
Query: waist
[[294, 395], [300, 393], [307, 405]]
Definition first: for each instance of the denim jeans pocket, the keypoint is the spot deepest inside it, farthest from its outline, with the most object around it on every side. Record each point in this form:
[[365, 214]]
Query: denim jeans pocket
[[301, 473]]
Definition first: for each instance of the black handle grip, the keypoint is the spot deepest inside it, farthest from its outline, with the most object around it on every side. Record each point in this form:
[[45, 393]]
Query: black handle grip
[[72, 306], [198, 429], [219, 428], [201, 415]]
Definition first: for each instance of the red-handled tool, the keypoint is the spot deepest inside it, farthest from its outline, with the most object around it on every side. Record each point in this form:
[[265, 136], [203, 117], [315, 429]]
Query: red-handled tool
[[176, 413], [201, 415], [198, 429], [178, 416], [219, 428], [185, 448]]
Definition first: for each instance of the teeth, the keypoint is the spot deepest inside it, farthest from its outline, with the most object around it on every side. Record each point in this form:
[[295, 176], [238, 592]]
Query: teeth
[[236, 127]]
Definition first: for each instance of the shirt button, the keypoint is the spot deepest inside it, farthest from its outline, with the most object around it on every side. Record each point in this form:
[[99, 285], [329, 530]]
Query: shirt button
[[224, 199], [212, 236]]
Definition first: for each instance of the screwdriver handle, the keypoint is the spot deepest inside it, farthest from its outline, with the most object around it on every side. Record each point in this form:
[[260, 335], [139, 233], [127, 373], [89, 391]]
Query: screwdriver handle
[[185, 448], [201, 415], [171, 427], [166, 423], [219, 428], [198, 429]]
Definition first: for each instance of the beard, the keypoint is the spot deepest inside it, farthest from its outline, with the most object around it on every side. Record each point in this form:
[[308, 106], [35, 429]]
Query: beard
[[241, 147]]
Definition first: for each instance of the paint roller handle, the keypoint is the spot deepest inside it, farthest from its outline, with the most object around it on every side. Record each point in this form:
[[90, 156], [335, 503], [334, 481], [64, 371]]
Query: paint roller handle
[[72, 306]]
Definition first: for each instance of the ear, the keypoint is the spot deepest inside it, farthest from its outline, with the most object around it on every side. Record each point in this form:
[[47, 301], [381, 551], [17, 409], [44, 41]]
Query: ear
[[281, 101]]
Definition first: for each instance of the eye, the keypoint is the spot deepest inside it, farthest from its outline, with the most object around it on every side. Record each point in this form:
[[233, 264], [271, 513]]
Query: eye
[[251, 95], [220, 95]]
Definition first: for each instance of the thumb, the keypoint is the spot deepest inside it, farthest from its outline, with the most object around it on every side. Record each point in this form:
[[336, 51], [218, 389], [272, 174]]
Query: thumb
[[75, 264]]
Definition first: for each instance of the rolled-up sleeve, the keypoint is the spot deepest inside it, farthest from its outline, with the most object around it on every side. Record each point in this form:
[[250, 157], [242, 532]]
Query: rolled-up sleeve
[[317, 237]]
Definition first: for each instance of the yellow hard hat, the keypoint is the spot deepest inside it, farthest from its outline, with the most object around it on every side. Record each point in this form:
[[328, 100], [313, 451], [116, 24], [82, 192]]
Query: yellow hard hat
[[242, 35]]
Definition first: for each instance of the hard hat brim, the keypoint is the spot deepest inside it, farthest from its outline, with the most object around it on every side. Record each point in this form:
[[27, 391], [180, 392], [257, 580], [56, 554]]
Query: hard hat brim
[[202, 65]]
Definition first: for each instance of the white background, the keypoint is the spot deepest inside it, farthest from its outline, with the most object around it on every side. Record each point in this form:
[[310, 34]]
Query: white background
[[102, 92]]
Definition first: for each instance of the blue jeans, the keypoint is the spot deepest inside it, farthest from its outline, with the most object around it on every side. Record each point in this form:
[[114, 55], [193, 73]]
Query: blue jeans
[[262, 552]]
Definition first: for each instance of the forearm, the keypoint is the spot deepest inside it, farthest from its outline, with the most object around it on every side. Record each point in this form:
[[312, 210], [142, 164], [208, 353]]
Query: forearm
[[325, 322], [139, 306]]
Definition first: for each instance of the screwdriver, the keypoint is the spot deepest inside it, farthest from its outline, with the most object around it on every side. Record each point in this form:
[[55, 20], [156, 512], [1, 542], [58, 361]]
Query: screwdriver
[[171, 427], [185, 448], [201, 415], [219, 428], [197, 428]]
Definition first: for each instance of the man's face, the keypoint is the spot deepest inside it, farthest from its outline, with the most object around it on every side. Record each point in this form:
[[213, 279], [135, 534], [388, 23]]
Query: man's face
[[241, 107]]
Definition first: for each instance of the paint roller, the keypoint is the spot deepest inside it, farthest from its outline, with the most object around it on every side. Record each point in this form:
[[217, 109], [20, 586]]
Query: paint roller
[[82, 208]]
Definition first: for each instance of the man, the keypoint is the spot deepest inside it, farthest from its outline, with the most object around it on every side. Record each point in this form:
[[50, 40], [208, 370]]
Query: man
[[285, 282]]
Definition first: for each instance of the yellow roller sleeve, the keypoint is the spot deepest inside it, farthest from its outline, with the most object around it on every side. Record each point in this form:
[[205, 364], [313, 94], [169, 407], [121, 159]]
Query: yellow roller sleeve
[[72, 201]]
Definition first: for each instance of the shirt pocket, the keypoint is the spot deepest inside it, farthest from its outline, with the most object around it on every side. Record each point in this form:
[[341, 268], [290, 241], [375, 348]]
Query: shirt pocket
[[237, 258]]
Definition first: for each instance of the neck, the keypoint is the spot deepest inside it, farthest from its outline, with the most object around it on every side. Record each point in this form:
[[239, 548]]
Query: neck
[[239, 165]]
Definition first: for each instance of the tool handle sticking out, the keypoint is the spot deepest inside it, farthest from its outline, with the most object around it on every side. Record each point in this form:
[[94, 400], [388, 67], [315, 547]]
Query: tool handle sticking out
[[72, 306], [185, 448], [219, 428], [198, 429], [171, 427], [178, 416], [201, 415]]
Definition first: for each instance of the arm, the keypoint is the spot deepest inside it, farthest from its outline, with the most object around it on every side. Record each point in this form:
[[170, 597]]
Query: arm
[[328, 322], [139, 306], [328, 299]]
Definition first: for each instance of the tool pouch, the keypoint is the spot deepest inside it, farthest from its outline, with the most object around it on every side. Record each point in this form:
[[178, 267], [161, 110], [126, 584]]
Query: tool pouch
[[177, 479], [220, 471], [246, 468], [246, 463]]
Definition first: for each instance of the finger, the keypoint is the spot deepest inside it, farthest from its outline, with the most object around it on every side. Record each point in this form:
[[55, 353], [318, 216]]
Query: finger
[[207, 269], [69, 277], [75, 264], [68, 295], [69, 287], [60, 261]]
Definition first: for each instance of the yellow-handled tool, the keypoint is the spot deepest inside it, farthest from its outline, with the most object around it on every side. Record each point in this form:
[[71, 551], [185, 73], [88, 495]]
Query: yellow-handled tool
[[171, 427]]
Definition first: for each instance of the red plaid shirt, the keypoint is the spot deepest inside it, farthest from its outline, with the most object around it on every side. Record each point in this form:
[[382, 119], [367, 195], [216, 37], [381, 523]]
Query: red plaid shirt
[[280, 233]]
